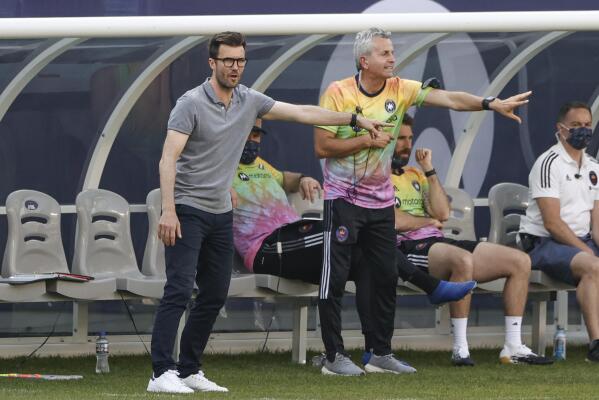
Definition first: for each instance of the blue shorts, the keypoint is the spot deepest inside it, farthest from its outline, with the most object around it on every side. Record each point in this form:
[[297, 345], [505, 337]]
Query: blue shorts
[[555, 258]]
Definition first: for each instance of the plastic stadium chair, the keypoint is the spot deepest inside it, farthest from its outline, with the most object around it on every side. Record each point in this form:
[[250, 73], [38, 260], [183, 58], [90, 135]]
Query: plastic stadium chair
[[103, 246], [154, 262], [507, 203], [305, 208], [33, 244], [460, 225]]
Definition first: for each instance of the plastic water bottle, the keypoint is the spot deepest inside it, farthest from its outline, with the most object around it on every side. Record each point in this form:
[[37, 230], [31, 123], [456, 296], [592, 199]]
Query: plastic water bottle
[[559, 344], [102, 354], [318, 360]]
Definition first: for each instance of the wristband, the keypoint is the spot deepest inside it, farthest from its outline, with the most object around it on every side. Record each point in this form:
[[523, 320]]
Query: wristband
[[486, 101], [354, 120], [430, 173]]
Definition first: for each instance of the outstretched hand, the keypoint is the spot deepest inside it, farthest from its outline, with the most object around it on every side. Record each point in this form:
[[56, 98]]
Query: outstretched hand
[[506, 107], [373, 126]]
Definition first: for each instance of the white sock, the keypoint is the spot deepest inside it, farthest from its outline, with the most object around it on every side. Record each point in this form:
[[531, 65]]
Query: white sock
[[513, 337], [460, 341]]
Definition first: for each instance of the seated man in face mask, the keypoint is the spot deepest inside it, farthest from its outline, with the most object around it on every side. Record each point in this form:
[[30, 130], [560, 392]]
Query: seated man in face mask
[[263, 217], [560, 230]]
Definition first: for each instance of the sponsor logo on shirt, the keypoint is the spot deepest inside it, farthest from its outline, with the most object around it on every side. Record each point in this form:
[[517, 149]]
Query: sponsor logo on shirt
[[243, 177], [255, 175], [397, 202], [410, 203]]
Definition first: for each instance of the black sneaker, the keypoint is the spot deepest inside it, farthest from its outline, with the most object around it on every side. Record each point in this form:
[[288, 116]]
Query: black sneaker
[[459, 361], [593, 354]]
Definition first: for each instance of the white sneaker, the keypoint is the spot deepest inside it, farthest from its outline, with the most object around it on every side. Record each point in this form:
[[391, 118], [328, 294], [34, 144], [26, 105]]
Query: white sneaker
[[168, 382], [521, 355], [199, 383]]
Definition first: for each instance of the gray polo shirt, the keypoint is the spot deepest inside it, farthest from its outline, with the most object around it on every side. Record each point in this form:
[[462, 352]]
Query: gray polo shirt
[[217, 136]]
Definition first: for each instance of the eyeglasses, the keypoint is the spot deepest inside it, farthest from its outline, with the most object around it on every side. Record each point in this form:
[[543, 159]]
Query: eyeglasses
[[228, 62]]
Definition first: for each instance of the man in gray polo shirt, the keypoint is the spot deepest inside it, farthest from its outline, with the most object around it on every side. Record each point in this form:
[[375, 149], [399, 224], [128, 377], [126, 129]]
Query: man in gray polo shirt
[[207, 130]]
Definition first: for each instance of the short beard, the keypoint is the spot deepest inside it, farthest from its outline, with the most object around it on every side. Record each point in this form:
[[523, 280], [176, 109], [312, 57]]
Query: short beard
[[223, 83]]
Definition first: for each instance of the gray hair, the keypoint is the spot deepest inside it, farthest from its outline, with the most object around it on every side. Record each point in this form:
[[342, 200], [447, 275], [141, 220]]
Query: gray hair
[[363, 42]]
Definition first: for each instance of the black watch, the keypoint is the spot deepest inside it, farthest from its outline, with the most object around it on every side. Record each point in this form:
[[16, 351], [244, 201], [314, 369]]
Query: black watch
[[486, 101]]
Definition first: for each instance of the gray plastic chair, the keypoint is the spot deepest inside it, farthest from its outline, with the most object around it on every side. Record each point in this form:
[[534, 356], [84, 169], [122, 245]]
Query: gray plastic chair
[[507, 203], [305, 208], [460, 225], [33, 244], [154, 263], [34, 216], [103, 247]]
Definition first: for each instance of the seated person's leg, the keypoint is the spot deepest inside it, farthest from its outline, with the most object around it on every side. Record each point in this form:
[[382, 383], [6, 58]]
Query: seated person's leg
[[438, 291], [585, 269], [301, 257], [570, 265], [493, 261], [450, 262]]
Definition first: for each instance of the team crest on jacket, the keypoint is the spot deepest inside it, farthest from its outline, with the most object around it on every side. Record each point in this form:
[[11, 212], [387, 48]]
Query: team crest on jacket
[[416, 185], [342, 233], [243, 177], [593, 178], [390, 106]]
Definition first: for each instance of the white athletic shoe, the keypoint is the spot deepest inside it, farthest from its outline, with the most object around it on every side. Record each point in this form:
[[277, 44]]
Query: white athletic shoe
[[521, 355], [199, 383], [168, 382]]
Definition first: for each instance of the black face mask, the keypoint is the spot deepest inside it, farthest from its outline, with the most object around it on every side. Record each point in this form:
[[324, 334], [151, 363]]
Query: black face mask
[[579, 137], [398, 162], [250, 152]]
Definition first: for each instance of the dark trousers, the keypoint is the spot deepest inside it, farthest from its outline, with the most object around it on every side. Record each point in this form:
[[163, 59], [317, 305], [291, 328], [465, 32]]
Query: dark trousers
[[362, 276], [301, 252], [347, 226], [203, 255]]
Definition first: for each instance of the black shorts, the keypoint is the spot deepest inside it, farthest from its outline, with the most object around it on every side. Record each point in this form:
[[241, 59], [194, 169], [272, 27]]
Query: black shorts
[[417, 250]]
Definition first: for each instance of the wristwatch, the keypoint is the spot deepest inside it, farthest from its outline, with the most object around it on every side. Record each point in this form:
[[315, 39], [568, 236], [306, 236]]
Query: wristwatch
[[486, 101]]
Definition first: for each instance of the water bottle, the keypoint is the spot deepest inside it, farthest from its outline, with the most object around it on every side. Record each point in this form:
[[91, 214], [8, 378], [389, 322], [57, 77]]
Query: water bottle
[[102, 354], [559, 344], [318, 360]]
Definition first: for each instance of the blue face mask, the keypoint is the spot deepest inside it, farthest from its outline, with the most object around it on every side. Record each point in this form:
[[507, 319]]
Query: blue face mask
[[579, 137], [250, 152]]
